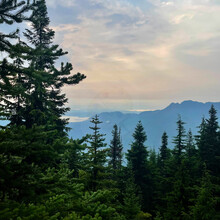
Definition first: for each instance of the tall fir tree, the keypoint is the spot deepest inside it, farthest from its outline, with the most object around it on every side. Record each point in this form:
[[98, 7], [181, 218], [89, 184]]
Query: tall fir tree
[[35, 139], [97, 155], [192, 158], [209, 151], [164, 151], [162, 182], [190, 145], [209, 142], [116, 150], [46, 103], [137, 160], [177, 198], [179, 141]]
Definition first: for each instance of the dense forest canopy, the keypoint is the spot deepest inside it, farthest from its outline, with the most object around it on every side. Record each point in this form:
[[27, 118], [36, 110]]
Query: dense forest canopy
[[46, 175]]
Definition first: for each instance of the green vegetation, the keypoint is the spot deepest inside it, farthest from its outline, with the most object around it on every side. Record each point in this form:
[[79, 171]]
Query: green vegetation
[[45, 175]]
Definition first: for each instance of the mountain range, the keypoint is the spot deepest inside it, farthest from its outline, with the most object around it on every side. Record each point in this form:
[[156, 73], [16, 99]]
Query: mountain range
[[154, 122]]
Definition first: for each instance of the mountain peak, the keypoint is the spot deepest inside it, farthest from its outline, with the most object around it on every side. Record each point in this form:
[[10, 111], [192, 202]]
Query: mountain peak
[[186, 103]]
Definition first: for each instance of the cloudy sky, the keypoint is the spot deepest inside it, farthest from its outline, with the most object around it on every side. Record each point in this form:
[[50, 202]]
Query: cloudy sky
[[139, 54]]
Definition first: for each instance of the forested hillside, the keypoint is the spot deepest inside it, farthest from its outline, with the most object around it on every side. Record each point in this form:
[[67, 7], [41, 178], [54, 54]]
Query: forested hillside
[[46, 175]]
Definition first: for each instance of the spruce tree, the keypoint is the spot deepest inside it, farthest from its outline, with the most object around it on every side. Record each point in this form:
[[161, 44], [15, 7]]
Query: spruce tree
[[116, 150], [162, 182], [164, 152], [97, 155], [35, 139], [137, 160], [208, 142], [179, 141], [190, 145], [178, 197], [192, 158], [209, 150], [31, 95], [46, 103]]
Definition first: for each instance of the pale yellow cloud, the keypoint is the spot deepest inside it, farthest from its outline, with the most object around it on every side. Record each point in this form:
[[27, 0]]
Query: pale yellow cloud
[[75, 118], [150, 59]]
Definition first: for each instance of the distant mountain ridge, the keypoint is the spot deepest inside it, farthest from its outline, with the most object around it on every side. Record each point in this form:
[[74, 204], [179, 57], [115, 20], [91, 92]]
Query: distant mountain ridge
[[154, 122]]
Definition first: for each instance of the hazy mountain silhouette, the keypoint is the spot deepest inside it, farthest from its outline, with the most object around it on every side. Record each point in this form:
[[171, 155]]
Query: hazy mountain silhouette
[[154, 122]]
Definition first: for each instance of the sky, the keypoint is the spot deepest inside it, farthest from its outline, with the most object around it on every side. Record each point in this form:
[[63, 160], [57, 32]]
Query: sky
[[139, 54]]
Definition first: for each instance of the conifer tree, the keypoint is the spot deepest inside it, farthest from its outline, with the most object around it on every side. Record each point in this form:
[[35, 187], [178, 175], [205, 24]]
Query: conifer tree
[[208, 142], [164, 152], [31, 100], [137, 155], [191, 151], [31, 95], [209, 150], [179, 141], [97, 155], [116, 149], [200, 141], [190, 146], [162, 182], [192, 159], [46, 103], [177, 199], [137, 160]]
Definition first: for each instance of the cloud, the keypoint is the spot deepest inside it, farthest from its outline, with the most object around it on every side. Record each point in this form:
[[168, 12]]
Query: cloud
[[130, 52], [141, 110], [75, 118], [57, 3]]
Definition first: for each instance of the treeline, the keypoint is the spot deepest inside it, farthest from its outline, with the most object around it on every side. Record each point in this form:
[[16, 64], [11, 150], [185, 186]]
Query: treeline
[[46, 175]]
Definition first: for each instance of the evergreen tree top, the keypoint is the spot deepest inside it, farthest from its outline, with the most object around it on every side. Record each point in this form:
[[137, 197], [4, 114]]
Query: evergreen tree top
[[116, 148], [212, 122], [137, 147], [181, 132], [164, 139], [139, 134], [96, 137], [179, 140], [201, 128], [164, 148], [95, 120], [189, 137], [40, 33]]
